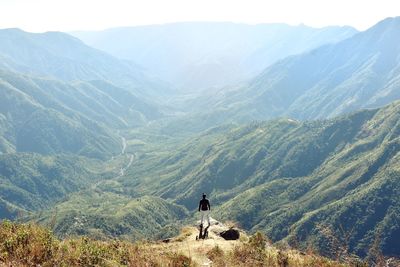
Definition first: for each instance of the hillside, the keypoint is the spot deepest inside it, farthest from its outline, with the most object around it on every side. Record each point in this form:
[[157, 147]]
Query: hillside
[[285, 177], [109, 215], [362, 71], [202, 55], [61, 56], [31, 182], [58, 95], [32, 127], [50, 116]]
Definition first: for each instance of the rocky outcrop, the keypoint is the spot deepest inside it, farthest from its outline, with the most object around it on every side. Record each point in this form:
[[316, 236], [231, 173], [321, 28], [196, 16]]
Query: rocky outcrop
[[231, 234]]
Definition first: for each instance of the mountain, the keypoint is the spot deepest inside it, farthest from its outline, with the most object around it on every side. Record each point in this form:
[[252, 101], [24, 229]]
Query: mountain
[[59, 95], [286, 177], [199, 55], [35, 119], [354, 191], [61, 56], [46, 115], [31, 182], [62, 106], [360, 72]]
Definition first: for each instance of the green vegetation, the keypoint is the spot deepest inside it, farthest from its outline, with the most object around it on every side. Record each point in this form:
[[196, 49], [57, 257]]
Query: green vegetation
[[109, 215], [37, 122], [31, 182], [286, 177], [58, 95], [86, 152]]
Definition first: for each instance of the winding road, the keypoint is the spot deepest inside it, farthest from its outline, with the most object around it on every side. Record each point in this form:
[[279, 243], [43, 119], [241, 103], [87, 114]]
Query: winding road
[[131, 158], [124, 167]]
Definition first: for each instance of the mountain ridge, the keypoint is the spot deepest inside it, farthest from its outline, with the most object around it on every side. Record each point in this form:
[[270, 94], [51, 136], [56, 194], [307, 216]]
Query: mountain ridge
[[359, 72], [195, 56], [67, 58]]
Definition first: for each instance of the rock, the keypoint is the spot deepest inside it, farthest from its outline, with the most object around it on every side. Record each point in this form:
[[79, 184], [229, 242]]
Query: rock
[[207, 263], [231, 234], [167, 240]]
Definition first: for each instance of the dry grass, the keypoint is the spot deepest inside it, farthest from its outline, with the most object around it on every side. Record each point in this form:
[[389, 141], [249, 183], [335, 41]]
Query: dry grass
[[253, 251], [32, 245], [185, 233]]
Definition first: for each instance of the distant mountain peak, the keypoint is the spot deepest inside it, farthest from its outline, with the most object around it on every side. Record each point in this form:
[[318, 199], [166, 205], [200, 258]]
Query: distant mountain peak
[[12, 30], [389, 23], [208, 55]]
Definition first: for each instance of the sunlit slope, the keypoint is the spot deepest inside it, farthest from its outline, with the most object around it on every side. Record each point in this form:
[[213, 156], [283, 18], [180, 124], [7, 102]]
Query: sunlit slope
[[62, 56], [360, 72], [50, 116], [31, 182], [109, 215], [285, 174]]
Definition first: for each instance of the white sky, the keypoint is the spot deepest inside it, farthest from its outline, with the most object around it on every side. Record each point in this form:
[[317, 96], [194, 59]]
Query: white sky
[[69, 15]]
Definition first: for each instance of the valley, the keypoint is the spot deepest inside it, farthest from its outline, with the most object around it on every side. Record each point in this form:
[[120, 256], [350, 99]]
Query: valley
[[120, 143]]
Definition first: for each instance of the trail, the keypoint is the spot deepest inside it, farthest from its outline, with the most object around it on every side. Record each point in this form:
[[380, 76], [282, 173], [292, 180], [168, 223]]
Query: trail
[[131, 158], [123, 169], [187, 244], [123, 145]]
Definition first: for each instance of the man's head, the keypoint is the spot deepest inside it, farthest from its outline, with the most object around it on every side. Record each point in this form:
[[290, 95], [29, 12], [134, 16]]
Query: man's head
[[204, 196]]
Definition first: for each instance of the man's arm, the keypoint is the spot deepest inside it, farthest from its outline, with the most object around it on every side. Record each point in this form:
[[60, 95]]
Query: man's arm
[[208, 204], [199, 205]]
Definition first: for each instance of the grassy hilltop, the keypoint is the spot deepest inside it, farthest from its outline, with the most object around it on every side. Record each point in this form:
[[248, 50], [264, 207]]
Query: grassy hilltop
[[32, 245]]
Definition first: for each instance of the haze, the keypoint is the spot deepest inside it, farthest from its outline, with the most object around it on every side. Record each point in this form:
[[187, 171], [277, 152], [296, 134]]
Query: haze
[[46, 15]]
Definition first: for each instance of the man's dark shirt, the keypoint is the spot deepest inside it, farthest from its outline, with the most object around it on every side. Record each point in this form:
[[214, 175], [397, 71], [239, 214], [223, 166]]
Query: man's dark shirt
[[204, 204]]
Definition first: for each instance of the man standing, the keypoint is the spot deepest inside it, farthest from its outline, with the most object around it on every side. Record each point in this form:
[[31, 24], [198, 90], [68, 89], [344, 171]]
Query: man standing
[[204, 208]]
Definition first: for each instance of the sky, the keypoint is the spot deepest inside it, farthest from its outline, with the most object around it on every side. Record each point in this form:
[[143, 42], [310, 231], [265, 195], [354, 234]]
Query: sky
[[71, 15]]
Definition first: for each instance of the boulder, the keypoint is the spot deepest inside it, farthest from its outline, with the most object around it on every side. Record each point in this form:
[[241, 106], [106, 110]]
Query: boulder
[[231, 234]]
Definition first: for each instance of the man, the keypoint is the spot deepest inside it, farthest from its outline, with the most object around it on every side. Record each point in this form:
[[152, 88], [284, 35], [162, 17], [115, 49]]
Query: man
[[204, 209]]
